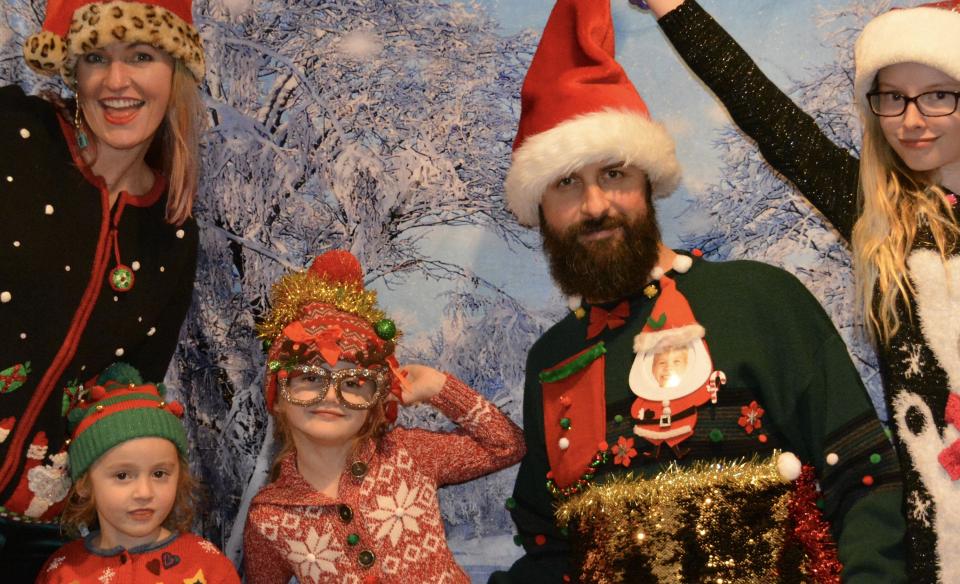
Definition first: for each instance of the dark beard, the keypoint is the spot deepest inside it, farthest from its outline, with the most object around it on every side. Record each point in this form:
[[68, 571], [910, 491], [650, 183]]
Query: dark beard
[[608, 269]]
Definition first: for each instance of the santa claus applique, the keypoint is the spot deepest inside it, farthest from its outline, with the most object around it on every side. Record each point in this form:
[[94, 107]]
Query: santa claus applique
[[672, 374]]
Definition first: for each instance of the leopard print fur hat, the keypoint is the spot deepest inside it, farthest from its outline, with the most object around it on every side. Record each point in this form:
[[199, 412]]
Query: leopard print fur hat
[[74, 27]]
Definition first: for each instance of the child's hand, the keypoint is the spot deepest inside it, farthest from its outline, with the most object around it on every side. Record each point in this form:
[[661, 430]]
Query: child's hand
[[420, 383]]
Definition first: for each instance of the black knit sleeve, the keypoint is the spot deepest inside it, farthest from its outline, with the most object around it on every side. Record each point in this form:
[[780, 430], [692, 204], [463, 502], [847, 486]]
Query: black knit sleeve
[[788, 138]]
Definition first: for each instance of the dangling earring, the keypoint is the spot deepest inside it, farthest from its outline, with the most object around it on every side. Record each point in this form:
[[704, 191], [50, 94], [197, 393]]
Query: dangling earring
[[82, 140]]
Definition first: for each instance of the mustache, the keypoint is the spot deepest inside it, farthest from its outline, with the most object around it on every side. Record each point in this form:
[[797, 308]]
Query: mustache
[[588, 226]]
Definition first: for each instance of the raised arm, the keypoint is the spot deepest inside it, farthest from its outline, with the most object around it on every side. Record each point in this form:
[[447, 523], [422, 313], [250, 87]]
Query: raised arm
[[486, 440], [788, 138]]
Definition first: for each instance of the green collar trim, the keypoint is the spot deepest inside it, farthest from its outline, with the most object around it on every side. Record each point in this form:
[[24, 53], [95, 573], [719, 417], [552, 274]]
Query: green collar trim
[[577, 365]]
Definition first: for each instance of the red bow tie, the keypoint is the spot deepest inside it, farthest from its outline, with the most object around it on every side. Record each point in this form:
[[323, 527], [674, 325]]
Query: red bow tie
[[601, 318]]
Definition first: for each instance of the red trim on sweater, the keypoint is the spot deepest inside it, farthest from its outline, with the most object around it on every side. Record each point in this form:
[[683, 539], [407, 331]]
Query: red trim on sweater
[[145, 200], [78, 324]]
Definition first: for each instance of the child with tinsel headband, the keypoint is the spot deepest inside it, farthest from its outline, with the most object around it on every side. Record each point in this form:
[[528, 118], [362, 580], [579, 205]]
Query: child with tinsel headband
[[132, 486], [355, 500]]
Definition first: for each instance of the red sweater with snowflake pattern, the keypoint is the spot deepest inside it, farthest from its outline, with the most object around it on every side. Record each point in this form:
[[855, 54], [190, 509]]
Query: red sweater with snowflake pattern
[[182, 557], [385, 525]]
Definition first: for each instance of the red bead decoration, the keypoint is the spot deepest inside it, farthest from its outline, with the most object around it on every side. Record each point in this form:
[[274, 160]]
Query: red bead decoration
[[697, 252], [762, 438], [867, 480], [540, 539], [175, 408], [390, 410], [98, 393]]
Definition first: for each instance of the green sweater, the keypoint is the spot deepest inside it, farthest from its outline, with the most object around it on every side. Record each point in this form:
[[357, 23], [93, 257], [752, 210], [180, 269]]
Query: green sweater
[[777, 347]]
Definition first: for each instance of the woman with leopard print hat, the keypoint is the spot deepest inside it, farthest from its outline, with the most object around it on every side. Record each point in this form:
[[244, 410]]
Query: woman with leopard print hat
[[113, 175]]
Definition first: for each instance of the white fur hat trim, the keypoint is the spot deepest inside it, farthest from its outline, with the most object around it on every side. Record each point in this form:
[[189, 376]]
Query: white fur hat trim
[[930, 36], [655, 342], [610, 135]]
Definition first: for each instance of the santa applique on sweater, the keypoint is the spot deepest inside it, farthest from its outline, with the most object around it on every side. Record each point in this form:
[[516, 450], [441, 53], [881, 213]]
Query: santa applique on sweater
[[672, 374], [43, 486]]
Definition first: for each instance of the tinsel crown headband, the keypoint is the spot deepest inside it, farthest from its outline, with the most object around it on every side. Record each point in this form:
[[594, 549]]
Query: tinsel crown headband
[[335, 279]]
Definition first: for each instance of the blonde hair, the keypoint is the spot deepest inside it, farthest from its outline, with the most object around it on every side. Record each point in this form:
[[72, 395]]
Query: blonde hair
[[80, 510], [375, 427], [895, 201], [176, 146]]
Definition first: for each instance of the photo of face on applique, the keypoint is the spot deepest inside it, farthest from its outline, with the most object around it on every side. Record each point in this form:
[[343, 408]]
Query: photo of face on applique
[[670, 372], [670, 365]]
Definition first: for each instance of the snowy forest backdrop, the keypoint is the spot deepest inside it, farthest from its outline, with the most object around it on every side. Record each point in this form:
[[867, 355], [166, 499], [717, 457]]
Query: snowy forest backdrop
[[384, 127]]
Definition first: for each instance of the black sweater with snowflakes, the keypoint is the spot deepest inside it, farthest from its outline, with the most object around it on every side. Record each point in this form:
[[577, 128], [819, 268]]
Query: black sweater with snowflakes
[[914, 364], [61, 323]]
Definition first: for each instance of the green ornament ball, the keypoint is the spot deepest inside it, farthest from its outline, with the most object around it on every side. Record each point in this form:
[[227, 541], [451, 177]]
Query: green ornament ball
[[385, 329]]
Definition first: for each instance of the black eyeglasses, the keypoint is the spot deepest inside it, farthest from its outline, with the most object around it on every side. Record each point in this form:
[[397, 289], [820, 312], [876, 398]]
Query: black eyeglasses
[[932, 104]]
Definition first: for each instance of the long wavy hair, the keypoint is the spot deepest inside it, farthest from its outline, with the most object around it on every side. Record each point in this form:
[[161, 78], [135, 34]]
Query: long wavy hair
[[895, 201], [176, 146]]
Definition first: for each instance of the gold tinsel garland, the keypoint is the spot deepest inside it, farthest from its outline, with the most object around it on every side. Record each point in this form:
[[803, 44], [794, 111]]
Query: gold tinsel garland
[[294, 291], [721, 523]]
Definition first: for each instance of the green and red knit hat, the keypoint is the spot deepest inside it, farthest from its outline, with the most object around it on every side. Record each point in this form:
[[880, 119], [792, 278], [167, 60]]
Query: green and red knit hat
[[120, 407], [74, 27]]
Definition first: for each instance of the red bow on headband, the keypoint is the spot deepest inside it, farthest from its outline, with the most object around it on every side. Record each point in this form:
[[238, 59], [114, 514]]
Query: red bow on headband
[[326, 341]]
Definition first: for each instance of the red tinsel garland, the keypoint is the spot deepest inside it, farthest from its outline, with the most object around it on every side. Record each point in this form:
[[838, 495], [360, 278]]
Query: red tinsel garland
[[812, 532]]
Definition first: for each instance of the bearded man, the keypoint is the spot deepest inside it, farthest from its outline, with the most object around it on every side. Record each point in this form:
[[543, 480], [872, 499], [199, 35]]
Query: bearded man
[[764, 461]]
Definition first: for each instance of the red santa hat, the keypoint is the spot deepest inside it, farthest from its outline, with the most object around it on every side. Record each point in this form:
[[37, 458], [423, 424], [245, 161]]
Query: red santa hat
[[578, 107], [671, 322], [324, 315], [74, 27], [928, 34], [38, 448]]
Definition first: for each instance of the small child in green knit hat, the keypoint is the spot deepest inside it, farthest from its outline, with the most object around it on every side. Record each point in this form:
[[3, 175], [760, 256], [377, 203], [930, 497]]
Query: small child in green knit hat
[[132, 495]]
